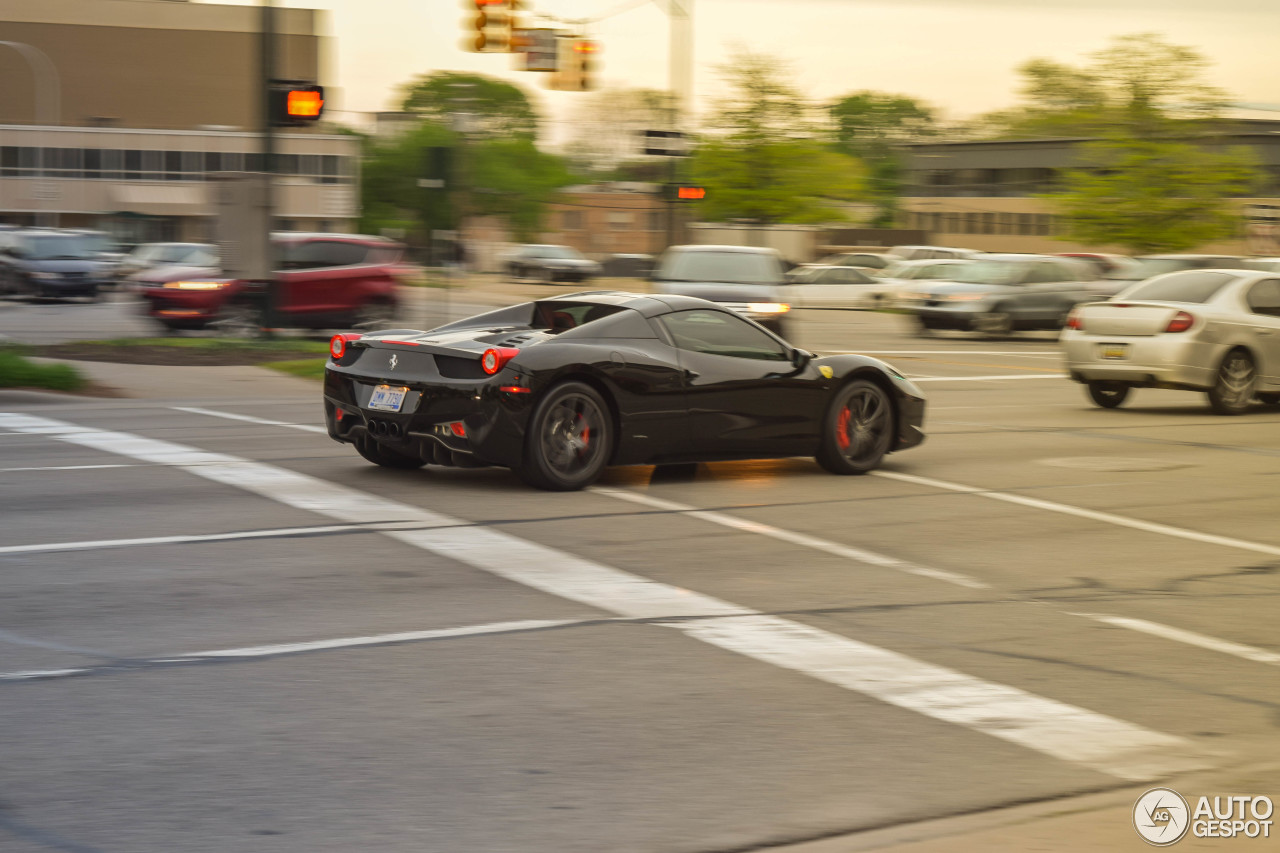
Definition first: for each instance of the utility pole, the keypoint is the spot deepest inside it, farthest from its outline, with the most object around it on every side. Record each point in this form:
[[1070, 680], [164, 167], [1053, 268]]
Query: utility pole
[[266, 78], [680, 82]]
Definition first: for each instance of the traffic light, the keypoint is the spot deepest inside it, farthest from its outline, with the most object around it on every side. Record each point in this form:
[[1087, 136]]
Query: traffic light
[[487, 26], [295, 104], [575, 65], [685, 192]]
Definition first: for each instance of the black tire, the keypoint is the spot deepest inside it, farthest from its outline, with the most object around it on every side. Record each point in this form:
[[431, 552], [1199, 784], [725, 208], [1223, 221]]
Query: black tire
[[857, 429], [923, 329], [1270, 399], [569, 439], [1234, 384], [994, 324], [379, 455], [239, 319], [1108, 394], [548, 276]]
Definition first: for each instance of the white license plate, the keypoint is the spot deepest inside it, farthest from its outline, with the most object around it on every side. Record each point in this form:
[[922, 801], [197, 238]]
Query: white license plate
[[387, 398], [1115, 351]]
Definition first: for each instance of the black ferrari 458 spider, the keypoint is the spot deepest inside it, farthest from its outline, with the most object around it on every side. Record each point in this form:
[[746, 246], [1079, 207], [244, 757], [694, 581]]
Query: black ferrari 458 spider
[[559, 388]]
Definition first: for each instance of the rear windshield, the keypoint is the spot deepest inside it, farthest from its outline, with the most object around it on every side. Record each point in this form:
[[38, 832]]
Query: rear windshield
[[558, 317], [1189, 286], [720, 267]]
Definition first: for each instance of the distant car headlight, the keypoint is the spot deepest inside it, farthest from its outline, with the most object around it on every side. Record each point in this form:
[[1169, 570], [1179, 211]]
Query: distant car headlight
[[195, 285], [768, 307], [44, 276], [964, 297]]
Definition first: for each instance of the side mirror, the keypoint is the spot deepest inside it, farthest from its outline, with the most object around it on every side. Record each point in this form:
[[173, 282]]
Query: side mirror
[[800, 358]]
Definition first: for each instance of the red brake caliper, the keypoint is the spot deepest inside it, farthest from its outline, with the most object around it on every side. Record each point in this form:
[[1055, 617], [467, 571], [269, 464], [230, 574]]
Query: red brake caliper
[[585, 435], [842, 428]]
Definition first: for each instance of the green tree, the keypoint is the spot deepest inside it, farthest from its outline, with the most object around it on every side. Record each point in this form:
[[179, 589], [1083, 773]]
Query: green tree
[[496, 108], [1153, 195], [870, 126], [764, 158]]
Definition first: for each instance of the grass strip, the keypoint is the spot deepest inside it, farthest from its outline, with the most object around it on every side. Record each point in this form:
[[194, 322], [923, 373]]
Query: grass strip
[[19, 372], [304, 368]]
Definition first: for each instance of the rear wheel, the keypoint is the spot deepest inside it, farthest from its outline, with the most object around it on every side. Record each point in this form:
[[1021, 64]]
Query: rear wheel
[[1108, 394], [379, 455], [994, 324], [1233, 388], [857, 430], [569, 439], [1270, 399]]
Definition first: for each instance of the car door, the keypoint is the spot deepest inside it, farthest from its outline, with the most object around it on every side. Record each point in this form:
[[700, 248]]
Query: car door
[[1050, 290], [1263, 300], [745, 397], [322, 289]]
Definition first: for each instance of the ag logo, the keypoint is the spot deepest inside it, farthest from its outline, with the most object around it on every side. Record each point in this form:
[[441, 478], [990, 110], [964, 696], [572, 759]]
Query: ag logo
[[393, 362], [1161, 817]]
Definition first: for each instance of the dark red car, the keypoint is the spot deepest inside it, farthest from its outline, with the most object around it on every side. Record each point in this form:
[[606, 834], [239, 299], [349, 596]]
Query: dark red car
[[325, 281]]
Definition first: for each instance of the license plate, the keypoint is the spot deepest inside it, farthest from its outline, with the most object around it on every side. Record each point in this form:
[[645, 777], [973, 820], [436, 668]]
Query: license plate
[[387, 398], [1115, 350]]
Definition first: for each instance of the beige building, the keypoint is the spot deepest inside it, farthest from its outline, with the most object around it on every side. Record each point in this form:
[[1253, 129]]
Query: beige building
[[611, 219], [114, 113], [982, 195]]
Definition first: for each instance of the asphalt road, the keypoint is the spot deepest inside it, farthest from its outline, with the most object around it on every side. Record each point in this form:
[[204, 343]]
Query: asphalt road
[[226, 635]]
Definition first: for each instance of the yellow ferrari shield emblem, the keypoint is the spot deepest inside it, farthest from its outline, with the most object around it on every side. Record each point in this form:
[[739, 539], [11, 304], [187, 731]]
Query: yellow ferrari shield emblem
[[826, 372]]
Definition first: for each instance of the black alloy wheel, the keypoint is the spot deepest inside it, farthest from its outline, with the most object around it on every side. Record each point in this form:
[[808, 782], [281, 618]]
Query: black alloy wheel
[[1235, 384], [857, 430], [380, 455], [569, 439], [1108, 394]]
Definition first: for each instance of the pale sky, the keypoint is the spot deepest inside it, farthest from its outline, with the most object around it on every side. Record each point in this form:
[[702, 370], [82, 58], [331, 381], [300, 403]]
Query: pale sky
[[958, 55]]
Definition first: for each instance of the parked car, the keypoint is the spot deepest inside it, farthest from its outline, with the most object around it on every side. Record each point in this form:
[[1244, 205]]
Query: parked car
[[1264, 264], [148, 255], [898, 277], [49, 264], [861, 260], [1216, 331], [540, 388], [1148, 266], [747, 279], [551, 264], [927, 253], [325, 281], [814, 286], [105, 247], [999, 294]]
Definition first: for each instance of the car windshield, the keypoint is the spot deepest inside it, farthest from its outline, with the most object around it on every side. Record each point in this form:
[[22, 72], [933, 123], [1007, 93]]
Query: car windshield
[[173, 254], [555, 253], [99, 243], [725, 267], [200, 258], [987, 272], [1189, 286], [55, 247]]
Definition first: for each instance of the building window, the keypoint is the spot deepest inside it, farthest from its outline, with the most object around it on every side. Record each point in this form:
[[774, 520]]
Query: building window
[[620, 221], [571, 220]]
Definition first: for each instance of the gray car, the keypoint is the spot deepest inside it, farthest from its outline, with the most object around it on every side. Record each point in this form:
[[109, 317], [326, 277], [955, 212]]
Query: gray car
[[746, 279], [1216, 331], [551, 264], [999, 294]]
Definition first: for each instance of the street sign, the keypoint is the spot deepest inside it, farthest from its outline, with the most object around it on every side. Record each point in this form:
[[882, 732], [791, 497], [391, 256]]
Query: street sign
[[666, 143], [539, 47]]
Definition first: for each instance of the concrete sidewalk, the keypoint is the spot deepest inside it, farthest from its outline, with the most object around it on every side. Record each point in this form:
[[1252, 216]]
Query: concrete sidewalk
[[168, 382]]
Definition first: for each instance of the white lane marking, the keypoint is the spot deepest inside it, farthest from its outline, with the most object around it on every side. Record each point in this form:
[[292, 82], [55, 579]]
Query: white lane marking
[[1081, 512], [998, 378], [271, 533], [1191, 638], [376, 639], [65, 468], [250, 419], [33, 674], [1103, 743], [847, 551]]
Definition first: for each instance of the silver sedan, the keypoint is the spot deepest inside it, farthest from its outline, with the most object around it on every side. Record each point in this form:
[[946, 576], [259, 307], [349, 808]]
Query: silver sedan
[[1216, 331]]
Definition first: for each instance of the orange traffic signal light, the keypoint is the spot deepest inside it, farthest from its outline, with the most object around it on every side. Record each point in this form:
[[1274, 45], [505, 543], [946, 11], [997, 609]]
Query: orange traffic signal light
[[294, 104], [691, 192]]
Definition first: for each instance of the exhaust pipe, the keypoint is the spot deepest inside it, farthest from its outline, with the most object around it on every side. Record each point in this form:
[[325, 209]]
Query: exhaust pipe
[[385, 429]]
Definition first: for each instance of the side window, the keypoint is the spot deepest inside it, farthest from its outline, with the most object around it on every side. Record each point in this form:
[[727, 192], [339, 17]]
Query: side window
[[331, 253], [722, 333], [1044, 274], [825, 277], [1264, 297]]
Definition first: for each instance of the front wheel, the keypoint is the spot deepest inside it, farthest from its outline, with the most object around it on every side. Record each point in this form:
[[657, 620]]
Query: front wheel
[[1108, 394], [379, 455], [1233, 388], [857, 429], [569, 439], [240, 319]]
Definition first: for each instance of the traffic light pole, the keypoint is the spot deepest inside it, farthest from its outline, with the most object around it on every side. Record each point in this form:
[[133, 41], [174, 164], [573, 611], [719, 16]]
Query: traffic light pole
[[267, 75]]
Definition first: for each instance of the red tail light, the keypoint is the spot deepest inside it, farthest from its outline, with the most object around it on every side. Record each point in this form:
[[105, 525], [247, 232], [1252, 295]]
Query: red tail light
[[1180, 322], [493, 359], [338, 344], [1074, 322], [458, 429]]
